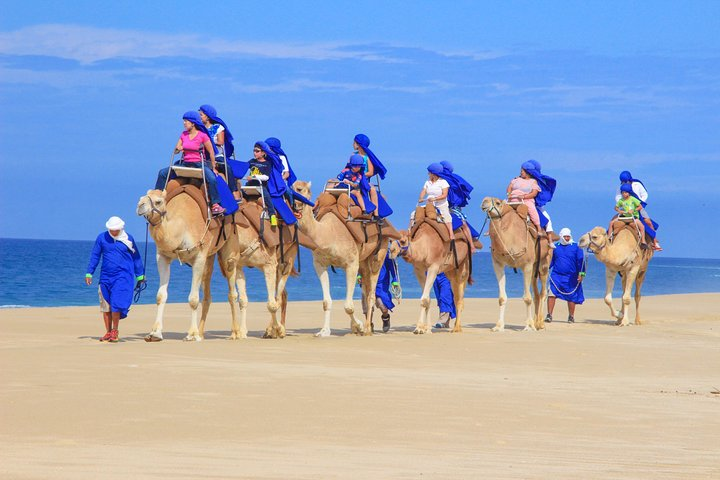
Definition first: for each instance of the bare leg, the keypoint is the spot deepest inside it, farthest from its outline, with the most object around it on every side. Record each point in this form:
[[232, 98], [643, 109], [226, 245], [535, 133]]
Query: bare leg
[[107, 320], [571, 309], [115, 319], [551, 305], [358, 196], [448, 225], [374, 197], [466, 229]]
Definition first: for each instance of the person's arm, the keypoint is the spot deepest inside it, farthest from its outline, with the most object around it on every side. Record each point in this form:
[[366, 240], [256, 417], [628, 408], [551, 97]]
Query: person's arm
[[443, 195], [94, 260], [211, 152], [640, 191], [509, 188], [422, 195], [137, 262], [178, 146], [371, 169], [579, 257], [532, 194], [220, 137]]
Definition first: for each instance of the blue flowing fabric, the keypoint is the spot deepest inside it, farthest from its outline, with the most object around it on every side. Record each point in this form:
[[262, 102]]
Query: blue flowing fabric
[[547, 183], [276, 147], [194, 117], [210, 111], [227, 199], [119, 269], [458, 221], [364, 142], [444, 295], [627, 179], [464, 186], [387, 275], [565, 266]]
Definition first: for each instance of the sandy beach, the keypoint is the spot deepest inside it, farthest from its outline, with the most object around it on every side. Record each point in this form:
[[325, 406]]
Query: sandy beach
[[581, 401]]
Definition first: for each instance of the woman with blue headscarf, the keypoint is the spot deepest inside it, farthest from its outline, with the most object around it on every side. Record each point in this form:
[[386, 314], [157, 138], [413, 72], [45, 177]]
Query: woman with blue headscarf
[[436, 189], [287, 172], [197, 149], [547, 186], [458, 197], [220, 134]]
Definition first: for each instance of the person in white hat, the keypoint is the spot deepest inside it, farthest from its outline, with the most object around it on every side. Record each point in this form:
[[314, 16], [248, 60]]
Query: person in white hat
[[121, 269], [567, 273]]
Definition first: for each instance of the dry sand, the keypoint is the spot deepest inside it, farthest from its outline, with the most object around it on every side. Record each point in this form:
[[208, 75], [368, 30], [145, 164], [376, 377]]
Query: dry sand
[[581, 401]]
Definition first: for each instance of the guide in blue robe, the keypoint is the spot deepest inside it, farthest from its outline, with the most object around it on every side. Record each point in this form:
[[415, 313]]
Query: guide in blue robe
[[444, 295], [566, 266], [388, 275], [121, 268]]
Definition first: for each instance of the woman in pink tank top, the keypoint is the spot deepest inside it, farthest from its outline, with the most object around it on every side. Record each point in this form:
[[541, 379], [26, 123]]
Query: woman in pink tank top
[[524, 189]]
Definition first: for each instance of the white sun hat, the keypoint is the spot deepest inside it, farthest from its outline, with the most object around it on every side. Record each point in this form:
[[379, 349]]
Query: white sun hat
[[115, 223]]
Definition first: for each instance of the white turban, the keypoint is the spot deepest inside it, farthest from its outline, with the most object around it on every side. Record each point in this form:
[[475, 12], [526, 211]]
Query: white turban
[[565, 232], [115, 223]]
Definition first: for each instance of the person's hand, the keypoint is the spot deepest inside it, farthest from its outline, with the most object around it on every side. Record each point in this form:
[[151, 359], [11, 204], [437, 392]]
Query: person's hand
[[88, 280], [431, 197]]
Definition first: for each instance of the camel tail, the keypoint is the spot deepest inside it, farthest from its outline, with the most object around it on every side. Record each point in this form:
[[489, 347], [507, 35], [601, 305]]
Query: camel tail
[[470, 281]]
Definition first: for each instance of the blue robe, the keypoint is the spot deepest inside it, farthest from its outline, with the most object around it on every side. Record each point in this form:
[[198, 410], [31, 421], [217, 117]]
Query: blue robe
[[566, 265], [388, 273], [119, 268], [444, 295]]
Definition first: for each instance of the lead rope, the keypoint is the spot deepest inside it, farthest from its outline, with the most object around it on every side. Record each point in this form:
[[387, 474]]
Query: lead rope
[[142, 284], [584, 269]]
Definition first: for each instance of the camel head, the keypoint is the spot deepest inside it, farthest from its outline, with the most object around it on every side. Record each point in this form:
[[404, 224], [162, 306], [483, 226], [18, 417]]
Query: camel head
[[394, 249], [595, 240], [303, 188], [152, 206], [492, 207], [403, 245]]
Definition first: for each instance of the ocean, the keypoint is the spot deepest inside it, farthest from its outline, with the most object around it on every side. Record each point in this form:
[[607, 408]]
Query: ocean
[[51, 273]]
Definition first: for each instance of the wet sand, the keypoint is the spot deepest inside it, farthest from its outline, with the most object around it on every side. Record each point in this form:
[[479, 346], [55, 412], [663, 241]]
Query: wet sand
[[583, 401]]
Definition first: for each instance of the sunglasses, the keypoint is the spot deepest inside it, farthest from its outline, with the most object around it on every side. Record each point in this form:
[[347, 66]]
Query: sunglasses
[[256, 150]]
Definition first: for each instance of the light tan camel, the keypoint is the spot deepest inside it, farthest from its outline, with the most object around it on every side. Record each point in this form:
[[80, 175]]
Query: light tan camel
[[429, 256], [512, 245], [622, 255], [180, 232], [246, 249], [336, 247]]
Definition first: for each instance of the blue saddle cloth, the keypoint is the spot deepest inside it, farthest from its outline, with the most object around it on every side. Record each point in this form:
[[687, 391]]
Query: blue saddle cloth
[[457, 223], [284, 210], [383, 210]]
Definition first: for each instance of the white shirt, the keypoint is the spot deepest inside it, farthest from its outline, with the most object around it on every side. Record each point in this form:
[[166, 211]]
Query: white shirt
[[435, 189], [283, 159], [639, 191]]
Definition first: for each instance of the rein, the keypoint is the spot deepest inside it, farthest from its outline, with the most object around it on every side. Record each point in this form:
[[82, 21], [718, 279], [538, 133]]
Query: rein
[[508, 253]]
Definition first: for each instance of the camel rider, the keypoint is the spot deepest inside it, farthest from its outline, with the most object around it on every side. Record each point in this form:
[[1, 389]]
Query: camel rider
[[287, 171], [373, 166], [220, 134], [630, 207], [275, 189], [547, 186], [524, 189], [195, 145], [458, 197], [445, 300], [436, 189], [567, 271], [638, 191], [121, 269], [353, 176]]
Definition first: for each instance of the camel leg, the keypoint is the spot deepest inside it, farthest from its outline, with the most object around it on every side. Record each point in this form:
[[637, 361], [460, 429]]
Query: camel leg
[[423, 324], [198, 269], [322, 273], [283, 306], [241, 284], [207, 296], [231, 268], [351, 271], [542, 301], [638, 285], [274, 328], [281, 295], [163, 264], [609, 284], [502, 295], [458, 280], [528, 298], [628, 282]]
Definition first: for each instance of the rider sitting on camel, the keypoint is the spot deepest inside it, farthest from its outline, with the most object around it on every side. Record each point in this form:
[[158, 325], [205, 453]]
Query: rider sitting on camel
[[629, 206], [352, 175], [436, 189], [524, 189]]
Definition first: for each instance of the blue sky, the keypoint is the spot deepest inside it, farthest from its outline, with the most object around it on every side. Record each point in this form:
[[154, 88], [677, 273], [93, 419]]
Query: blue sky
[[92, 97]]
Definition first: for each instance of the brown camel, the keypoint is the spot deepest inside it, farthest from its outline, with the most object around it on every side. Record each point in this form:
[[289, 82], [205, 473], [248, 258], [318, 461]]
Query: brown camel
[[336, 247], [180, 232], [246, 249], [512, 245], [621, 255], [429, 256]]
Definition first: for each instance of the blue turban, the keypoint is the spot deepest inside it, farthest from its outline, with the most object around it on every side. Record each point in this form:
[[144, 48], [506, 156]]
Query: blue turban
[[547, 183], [435, 168], [364, 142], [210, 111], [626, 176], [447, 166], [626, 187], [356, 160], [194, 117]]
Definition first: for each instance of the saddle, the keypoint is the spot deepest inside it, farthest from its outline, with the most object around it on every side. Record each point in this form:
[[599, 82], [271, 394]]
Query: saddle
[[363, 228], [620, 225], [271, 235], [219, 227], [428, 214]]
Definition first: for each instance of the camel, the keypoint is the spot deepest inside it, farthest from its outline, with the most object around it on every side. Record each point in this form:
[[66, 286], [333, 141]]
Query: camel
[[512, 245], [429, 256], [621, 255], [336, 247], [180, 232]]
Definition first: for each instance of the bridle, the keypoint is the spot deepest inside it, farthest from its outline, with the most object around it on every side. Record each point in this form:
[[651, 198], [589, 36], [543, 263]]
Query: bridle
[[153, 209]]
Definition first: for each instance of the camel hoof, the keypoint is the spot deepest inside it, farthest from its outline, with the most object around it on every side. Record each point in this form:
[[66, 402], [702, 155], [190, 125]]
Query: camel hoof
[[193, 338], [151, 337], [268, 333], [280, 331], [529, 328], [619, 315], [323, 333], [456, 330]]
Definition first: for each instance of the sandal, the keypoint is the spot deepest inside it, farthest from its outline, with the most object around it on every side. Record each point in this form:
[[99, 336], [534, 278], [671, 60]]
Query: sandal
[[106, 337], [114, 336]]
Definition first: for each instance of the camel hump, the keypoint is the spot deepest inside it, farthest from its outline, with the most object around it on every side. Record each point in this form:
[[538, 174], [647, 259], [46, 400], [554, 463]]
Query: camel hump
[[177, 189]]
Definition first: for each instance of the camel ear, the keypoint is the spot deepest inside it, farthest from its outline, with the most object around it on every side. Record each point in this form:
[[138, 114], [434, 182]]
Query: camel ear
[[309, 184]]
